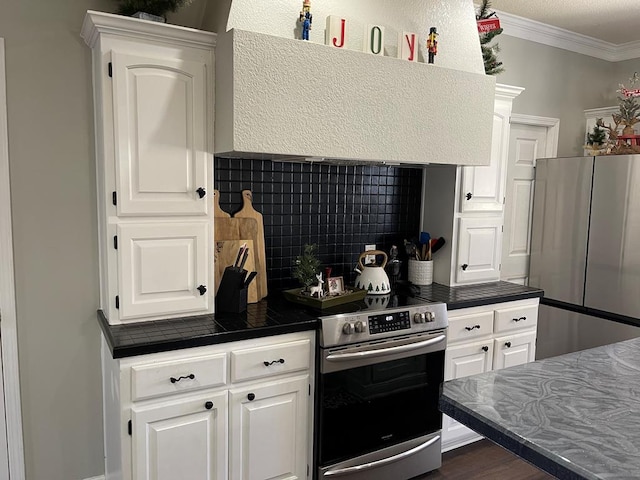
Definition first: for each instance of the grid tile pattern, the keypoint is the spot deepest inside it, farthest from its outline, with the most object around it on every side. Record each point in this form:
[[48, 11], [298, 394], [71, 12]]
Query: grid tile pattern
[[338, 207]]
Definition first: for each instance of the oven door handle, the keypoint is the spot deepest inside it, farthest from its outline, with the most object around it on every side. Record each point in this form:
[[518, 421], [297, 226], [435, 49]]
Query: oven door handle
[[339, 357], [379, 463]]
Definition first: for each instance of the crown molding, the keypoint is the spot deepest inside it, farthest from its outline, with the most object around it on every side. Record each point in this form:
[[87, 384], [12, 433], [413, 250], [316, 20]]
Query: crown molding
[[538, 32], [97, 23]]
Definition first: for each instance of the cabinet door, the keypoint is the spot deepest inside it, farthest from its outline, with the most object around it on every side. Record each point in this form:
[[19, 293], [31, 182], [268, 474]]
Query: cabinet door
[[479, 246], [269, 436], [468, 359], [462, 361], [185, 439], [482, 188], [163, 269], [160, 134], [514, 350]]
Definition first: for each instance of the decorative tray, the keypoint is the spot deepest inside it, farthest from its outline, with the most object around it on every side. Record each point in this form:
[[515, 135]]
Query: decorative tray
[[295, 295]]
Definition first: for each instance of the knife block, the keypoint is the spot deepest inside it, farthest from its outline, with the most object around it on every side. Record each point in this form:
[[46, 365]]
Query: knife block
[[232, 293]]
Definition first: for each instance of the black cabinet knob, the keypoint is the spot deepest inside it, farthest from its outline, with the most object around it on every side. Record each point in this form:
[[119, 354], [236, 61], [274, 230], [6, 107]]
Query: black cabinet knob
[[485, 348], [465, 266], [201, 192], [469, 196], [251, 397], [208, 405], [202, 289], [507, 344]]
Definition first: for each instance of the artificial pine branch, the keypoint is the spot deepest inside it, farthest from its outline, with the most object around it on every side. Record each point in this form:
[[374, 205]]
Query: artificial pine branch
[[491, 64]]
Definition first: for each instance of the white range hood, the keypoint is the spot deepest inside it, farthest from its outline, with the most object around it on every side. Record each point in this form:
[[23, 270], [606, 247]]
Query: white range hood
[[283, 98]]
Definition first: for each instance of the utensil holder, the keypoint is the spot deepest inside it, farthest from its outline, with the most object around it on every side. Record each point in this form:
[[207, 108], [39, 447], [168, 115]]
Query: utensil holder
[[420, 272], [232, 292]]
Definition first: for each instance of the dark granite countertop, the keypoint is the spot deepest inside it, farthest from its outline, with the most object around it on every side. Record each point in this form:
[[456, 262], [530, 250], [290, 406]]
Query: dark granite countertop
[[576, 416], [275, 316], [478, 295]]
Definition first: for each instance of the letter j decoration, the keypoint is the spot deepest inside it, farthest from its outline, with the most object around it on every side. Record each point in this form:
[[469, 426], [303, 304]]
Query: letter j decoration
[[336, 32]]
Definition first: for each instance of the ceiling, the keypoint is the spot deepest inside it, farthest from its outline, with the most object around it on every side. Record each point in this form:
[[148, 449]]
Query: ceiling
[[613, 21]]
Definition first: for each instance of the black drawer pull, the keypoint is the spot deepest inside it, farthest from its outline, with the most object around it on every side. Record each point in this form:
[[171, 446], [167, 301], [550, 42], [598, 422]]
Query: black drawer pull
[[190, 376], [472, 328], [485, 348], [281, 360], [519, 319], [464, 266], [201, 192], [507, 344], [469, 195], [251, 397], [202, 289], [208, 405]]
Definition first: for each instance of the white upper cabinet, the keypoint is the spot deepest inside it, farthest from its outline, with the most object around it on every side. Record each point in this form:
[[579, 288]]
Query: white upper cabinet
[[482, 188], [154, 102], [465, 205], [159, 109]]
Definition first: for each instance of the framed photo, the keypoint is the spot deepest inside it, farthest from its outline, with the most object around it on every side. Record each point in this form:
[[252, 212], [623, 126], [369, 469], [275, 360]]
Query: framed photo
[[336, 285]]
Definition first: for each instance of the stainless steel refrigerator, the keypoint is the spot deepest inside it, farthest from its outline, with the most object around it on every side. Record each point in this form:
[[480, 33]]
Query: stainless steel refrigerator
[[585, 251]]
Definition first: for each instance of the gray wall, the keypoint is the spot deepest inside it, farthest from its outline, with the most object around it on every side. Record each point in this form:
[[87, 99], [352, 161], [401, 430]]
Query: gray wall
[[50, 124], [54, 209], [558, 84]]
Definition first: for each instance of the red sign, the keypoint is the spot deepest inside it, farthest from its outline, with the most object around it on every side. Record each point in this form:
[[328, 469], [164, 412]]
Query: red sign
[[488, 24]]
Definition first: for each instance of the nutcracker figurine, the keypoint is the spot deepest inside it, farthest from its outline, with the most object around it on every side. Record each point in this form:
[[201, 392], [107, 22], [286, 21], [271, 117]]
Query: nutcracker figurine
[[306, 18], [432, 44]]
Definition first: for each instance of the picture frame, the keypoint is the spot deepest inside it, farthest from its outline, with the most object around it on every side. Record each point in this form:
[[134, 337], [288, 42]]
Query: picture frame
[[336, 285]]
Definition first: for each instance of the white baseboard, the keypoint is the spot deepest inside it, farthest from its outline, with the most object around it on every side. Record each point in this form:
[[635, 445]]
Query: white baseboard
[[99, 477]]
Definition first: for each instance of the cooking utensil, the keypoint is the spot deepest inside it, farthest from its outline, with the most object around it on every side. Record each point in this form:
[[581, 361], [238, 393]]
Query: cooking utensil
[[437, 245], [372, 277]]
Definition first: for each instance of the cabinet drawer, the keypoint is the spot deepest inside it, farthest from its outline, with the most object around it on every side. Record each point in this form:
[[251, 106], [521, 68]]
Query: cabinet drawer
[[260, 362], [174, 376], [472, 326], [517, 318]]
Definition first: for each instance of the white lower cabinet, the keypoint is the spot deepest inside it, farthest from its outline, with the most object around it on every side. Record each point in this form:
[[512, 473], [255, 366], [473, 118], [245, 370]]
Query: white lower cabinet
[[278, 451], [482, 339], [182, 439], [180, 415]]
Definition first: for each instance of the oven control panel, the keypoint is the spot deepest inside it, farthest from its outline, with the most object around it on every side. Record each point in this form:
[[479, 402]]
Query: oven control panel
[[389, 322], [362, 326]]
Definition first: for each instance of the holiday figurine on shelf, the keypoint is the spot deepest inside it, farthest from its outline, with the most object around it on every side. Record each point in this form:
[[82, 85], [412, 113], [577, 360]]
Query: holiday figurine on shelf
[[432, 44], [306, 18]]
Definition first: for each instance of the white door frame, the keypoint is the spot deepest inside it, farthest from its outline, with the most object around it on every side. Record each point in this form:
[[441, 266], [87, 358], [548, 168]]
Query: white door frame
[[553, 128], [9, 336]]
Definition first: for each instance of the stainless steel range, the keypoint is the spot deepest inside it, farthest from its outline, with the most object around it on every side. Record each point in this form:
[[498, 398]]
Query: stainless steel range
[[378, 386]]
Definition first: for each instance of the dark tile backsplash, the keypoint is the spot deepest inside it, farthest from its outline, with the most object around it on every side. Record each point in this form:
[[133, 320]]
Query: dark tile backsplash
[[338, 207]]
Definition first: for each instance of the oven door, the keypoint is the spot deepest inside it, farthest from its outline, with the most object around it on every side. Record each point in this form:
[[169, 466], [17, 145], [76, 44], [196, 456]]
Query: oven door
[[377, 395]]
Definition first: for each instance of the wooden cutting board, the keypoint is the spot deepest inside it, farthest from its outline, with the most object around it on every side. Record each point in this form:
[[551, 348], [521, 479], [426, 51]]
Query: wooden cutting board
[[248, 212], [229, 235], [217, 211], [226, 252]]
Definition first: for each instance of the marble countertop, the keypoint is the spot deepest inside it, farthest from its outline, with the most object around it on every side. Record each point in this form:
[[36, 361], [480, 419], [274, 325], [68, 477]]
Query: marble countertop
[[576, 416]]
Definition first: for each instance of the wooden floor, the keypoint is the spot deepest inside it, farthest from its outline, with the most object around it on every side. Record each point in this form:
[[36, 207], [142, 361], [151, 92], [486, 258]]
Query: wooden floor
[[484, 460]]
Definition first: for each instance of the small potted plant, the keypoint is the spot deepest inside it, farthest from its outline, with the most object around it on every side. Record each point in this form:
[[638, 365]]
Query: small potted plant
[[154, 10]]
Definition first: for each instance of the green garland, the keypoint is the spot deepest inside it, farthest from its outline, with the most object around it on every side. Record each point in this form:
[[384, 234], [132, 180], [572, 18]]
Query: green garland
[[154, 7]]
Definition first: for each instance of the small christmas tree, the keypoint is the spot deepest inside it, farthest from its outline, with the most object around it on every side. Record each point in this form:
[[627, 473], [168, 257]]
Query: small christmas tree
[[491, 64], [598, 136], [154, 7], [307, 266], [629, 107]]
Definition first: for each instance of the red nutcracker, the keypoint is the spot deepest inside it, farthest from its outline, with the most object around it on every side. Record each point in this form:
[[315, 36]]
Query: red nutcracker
[[432, 44]]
